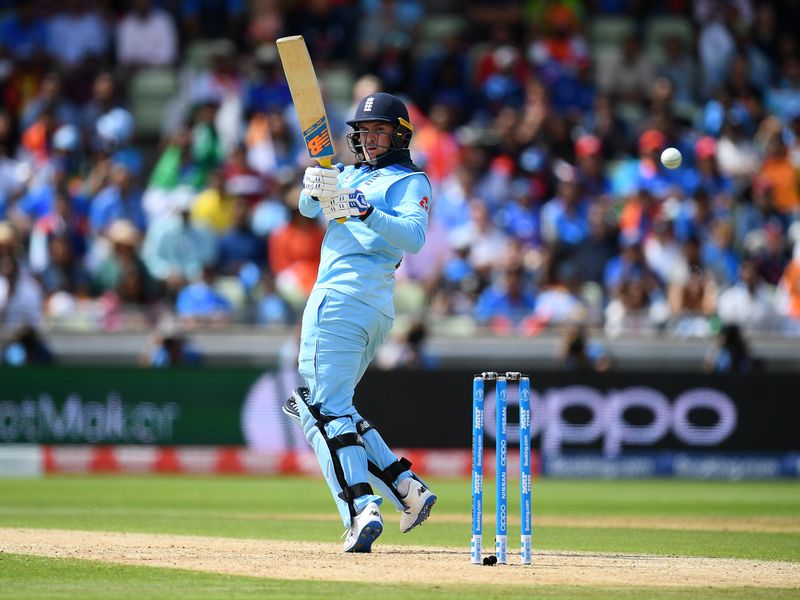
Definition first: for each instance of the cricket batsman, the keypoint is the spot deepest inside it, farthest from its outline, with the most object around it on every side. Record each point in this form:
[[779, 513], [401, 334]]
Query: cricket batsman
[[376, 210]]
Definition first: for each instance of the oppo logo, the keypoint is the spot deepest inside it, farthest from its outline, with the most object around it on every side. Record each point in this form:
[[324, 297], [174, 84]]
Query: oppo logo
[[607, 423]]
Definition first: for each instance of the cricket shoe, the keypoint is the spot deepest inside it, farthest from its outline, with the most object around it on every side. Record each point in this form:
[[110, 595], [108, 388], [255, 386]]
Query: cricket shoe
[[365, 529], [290, 407], [419, 501]]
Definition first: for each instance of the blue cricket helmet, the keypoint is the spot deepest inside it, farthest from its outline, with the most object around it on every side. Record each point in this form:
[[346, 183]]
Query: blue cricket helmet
[[381, 107]]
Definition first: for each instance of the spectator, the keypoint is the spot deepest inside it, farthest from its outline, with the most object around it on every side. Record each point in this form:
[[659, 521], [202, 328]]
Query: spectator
[[50, 98], [561, 48], [436, 145], [443, 77], [749, 303], [718, 254], [487, 244], [706, 175], [460, 282], [25, 346], [62, 220], [565, 216], [272, 308], [199, 303], [170, 347], [240, 245], [175, 250], [294, 254], [592, 167], [692, 304], [716, 43], [780, 174], [730, 353], [591, 255], [213, 19], [146, 37], [578, 353], [121, 271], [652, 176], [771, 254], [503, 305], [628, 264], [629, 77], [737, 154], [216, 94], [76, 33], [503, 86], [64, 275], [560, 301], [678, 66], [266, 90], [406, 350], [119, 200], [175, 174], [23, 32], [105, 98], [214, 206], [635, 310], [21, 296], [754, 212]]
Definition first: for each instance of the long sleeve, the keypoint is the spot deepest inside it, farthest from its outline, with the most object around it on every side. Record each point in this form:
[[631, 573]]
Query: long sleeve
[[406, 230], [309, 207]]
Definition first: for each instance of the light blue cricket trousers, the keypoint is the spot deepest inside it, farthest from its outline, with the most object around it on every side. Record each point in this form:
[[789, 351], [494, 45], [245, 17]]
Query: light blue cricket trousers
[[339, 337]]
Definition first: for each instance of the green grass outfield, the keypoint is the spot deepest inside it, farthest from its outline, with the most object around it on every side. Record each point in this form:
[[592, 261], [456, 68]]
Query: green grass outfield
[[274, 508]]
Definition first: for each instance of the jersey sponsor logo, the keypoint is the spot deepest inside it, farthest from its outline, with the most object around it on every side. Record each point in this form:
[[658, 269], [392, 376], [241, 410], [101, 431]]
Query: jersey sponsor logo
[[424, 203]]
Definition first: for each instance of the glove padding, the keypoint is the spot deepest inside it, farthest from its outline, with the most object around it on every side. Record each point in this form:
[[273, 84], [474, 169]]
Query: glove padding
[[348, 203], [321, 183]]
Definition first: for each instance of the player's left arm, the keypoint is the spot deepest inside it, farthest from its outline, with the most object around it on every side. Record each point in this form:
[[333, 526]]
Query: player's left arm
[[406, 230]]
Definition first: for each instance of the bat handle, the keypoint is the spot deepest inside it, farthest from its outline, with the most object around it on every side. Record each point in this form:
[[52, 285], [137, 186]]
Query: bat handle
[[327, 163]]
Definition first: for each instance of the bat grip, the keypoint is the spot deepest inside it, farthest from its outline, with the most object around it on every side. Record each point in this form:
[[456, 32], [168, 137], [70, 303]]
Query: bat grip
[[327, 163]]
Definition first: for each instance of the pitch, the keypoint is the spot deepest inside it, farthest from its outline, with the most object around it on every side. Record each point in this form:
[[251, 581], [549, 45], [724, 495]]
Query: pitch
[[117, 537]]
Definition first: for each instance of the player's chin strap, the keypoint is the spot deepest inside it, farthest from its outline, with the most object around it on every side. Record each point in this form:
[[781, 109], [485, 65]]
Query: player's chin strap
[[349, 493], [390, 473]]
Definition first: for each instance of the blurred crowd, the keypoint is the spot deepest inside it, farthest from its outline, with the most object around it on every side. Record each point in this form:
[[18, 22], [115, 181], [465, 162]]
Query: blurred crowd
[[150, 160]]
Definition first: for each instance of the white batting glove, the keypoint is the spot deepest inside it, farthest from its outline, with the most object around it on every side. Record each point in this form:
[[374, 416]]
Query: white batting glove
[[349, 203], [321, 183]]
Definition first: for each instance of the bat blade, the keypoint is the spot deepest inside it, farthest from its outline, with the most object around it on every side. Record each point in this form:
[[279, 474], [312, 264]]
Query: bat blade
[[302, 80]]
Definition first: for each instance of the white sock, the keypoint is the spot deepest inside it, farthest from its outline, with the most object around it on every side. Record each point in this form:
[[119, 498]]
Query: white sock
[[402, 487]]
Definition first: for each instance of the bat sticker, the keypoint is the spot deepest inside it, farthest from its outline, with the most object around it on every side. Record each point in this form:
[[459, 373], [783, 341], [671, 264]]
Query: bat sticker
[[318, 140]]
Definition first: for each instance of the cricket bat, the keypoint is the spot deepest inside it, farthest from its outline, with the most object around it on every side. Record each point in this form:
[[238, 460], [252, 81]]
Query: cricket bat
[[302, 80]]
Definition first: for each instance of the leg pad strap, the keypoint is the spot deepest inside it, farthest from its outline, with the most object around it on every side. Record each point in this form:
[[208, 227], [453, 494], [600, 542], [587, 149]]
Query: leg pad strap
[[351, 492], [390, 473]]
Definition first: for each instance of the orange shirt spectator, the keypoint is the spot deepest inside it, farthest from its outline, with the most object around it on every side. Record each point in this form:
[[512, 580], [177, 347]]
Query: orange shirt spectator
[[779, 172], [437, 144], [294, 254]]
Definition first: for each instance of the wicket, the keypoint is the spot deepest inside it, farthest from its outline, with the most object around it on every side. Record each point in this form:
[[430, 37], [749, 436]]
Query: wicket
[[501, 469]]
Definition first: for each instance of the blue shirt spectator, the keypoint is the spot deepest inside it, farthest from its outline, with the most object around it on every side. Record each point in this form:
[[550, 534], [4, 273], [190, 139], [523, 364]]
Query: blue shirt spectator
[[565, 218], [240, 245], [77, 32], [117, 201], [199, 301], [23, 33], [507, 300]]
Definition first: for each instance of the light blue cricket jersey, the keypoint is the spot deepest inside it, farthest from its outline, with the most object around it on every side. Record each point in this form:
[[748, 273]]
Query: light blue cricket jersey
[[359, 258]]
